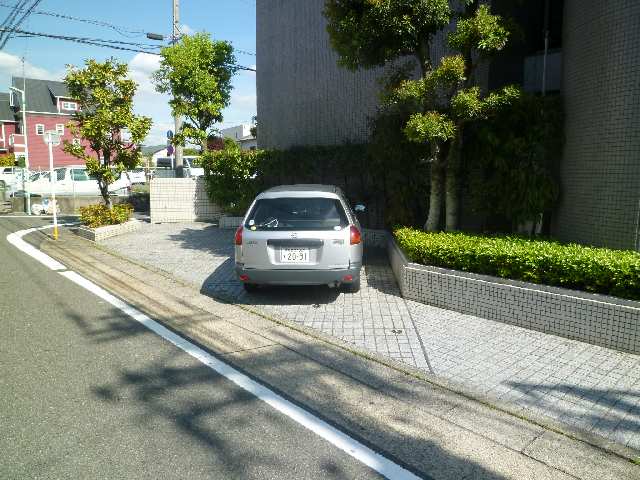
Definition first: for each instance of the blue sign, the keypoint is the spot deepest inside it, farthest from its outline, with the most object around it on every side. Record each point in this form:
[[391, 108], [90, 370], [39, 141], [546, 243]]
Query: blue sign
[[169, 133], [170, 150]]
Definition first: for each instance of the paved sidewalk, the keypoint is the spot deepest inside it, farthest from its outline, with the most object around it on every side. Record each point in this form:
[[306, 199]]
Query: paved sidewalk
[[586, 387]]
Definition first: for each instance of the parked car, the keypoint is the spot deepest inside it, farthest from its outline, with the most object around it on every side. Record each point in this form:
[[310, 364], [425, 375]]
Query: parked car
[[8, 175], [190, 170], [300, 235], [74, 180], [188, 163], [137, 176]]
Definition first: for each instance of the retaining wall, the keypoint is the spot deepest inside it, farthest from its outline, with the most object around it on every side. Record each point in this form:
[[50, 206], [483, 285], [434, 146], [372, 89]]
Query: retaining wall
[[597, 319], [102, 233]]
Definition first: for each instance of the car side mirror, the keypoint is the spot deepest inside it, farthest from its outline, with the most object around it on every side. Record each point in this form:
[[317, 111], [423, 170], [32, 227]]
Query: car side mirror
[[359, 208]]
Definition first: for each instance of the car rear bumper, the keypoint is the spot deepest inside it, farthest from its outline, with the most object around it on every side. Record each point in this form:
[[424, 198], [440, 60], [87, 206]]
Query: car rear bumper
[[298, 276]]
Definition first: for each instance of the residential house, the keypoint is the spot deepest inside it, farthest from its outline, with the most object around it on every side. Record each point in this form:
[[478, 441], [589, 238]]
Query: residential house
[[242, 135], [9, 122], [48, 107], [592, 56]]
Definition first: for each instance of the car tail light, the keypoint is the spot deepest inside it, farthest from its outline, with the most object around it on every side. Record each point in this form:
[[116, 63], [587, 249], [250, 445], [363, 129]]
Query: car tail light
[[238, 238], [356, 236]]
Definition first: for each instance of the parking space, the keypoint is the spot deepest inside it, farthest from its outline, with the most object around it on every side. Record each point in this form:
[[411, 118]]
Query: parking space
[[585, 386]]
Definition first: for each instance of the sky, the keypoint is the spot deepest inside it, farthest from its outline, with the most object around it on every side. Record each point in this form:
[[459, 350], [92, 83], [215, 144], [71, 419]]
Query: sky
[[232, 20]]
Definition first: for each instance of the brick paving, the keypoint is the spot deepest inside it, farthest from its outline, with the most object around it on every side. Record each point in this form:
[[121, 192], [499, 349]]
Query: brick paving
[[582, 385]]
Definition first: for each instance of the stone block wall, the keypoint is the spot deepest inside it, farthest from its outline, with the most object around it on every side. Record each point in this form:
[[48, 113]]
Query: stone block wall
[[181, 200]]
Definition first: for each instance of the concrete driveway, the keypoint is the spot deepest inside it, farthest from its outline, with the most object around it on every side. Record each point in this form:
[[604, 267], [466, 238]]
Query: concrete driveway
[[587, 387]]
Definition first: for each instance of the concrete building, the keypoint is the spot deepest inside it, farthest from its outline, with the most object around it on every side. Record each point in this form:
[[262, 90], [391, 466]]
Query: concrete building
[[304, 98], [242, 135]]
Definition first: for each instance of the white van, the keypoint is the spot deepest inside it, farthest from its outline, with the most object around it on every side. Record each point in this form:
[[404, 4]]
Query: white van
[[75, 180]]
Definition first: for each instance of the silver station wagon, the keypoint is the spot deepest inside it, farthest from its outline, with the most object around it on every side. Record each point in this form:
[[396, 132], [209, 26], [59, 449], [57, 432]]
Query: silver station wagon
[[300, 235]]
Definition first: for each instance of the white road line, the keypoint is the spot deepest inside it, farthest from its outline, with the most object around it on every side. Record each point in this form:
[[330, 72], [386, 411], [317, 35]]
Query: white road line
[[352, 447], [16, 240]]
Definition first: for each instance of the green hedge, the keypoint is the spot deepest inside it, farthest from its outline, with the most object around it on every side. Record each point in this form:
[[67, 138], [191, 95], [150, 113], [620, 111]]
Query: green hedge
[[598, 270], [99, 215]]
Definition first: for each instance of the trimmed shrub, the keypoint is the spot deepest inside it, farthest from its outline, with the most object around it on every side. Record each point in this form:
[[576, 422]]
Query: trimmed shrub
[[100, 215], [7, 160], [230, 177], [591, 269]]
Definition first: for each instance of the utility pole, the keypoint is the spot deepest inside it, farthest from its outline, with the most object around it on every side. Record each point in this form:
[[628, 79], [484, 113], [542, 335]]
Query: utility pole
[[177, 121]]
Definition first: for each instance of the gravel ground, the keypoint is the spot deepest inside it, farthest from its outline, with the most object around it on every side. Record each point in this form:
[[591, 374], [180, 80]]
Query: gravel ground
[[585, 386]]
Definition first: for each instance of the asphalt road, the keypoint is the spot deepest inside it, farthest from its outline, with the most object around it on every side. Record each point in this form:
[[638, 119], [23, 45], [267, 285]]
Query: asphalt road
[[86, 392]]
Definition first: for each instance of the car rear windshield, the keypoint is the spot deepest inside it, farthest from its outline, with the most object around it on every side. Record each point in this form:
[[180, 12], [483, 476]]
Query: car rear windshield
[[297, 214]]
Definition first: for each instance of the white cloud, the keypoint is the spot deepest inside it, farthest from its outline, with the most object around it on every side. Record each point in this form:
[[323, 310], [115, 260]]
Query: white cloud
[[11, 65], [147, 101]]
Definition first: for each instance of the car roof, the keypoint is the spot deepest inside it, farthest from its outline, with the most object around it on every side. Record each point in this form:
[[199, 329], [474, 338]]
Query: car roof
[[305, 187]]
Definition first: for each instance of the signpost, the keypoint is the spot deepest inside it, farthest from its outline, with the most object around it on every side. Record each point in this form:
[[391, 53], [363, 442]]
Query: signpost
[[52, 138]]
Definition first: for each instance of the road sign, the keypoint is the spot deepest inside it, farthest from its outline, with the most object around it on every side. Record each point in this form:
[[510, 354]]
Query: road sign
[[170, 150], [52, 137], [169, 133]]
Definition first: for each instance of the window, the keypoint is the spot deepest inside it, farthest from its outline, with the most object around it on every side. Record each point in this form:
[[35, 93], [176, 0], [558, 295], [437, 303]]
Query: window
[[76, 141], [297, 214], [60, 128], [79, 175], [69, 105], [39, 129], [60, 174]]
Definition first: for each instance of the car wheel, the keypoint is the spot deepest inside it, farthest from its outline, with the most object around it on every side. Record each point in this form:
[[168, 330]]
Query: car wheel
[[353, 287], [250, 287]]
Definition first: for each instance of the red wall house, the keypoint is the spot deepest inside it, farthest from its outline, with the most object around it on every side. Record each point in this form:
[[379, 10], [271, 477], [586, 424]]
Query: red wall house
[[48, 107], [8, 128], [37, 124]]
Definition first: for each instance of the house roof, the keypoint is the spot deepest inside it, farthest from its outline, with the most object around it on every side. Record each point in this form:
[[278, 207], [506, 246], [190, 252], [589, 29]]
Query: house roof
[[41, 94], [150, 150], [6, 112]]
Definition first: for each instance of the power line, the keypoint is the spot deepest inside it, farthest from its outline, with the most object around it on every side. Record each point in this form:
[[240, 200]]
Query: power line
[[118, 28], [10, 18], [115, 44], [19, 22]]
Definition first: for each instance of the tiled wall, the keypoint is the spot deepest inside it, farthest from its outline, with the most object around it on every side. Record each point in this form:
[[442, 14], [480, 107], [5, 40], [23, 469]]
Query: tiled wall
[[600, 201], [596, 319], [304, 97], [181, 200]]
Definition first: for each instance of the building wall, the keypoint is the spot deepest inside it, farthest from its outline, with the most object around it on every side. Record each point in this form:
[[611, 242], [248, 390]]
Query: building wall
[[39, 151], [601, 87], [304, 98], [8, 128], [236, 133]]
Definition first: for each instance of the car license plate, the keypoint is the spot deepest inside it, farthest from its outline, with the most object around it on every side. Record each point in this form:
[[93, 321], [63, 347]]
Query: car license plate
[[294, 255]]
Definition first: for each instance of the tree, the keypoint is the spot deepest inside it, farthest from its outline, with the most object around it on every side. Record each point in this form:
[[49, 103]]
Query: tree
[[254, 126], [105, 117], [445, 97], [197, 72]]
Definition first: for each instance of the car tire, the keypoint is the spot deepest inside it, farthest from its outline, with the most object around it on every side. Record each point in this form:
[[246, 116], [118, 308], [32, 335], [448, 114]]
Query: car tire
[[353, 287], [250, 287]]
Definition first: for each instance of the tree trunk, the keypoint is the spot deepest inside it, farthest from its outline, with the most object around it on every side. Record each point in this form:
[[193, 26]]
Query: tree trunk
[[104, 191], [452, 181], [436, 193]]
